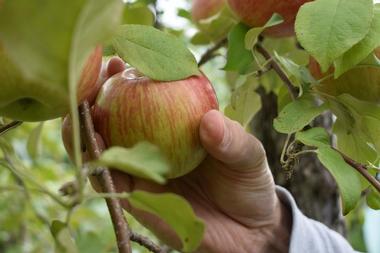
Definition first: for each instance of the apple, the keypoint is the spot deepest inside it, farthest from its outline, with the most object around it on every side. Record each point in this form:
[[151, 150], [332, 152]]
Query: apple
[[256, 13], [361, 82], [24, 100], [131, 108], [204, 9], [88, 87]]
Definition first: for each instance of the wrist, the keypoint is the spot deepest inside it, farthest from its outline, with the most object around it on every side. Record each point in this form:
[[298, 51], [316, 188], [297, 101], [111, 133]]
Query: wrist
[[277, 236]]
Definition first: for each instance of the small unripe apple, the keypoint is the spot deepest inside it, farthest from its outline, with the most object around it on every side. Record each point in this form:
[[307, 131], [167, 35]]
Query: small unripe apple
[[131, 108], [204, 9], [361, 82], [24, 100], [256, 13]]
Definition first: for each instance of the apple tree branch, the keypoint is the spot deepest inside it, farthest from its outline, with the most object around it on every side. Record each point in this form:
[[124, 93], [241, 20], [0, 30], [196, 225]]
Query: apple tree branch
[[119, 221], [124, 235], [210, 53]]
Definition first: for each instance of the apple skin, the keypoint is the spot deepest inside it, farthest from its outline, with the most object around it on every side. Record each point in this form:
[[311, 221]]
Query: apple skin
[[256, 13], [362, 82], [204, 9], [88, 87], [24, 100], [131, 108]]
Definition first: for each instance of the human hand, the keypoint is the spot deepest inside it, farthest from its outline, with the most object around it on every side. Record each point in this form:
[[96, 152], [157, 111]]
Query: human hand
[[232, 191]]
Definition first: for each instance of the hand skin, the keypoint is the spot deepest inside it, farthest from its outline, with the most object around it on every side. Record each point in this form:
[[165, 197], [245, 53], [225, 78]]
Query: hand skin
[[232, 191]]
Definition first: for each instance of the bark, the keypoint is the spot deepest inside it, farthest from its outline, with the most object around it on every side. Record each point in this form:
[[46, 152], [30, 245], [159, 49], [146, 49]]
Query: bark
[[311, 184]]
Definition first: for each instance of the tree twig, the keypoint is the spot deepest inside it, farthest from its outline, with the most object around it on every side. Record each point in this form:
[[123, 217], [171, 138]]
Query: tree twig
[[119, 221], [6, 128], [276, 67], [210, 53], [362, 169], [123, 233], [147, 243]]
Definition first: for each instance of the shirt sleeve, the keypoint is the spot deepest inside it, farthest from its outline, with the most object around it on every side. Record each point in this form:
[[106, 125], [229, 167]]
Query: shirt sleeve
[[308, 235]]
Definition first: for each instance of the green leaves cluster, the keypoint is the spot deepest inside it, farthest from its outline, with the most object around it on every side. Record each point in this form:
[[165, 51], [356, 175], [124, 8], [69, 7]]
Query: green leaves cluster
[[339, 32], [342, 34]]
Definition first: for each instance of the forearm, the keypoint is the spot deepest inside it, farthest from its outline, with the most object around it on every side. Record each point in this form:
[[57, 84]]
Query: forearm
[[308, 235]]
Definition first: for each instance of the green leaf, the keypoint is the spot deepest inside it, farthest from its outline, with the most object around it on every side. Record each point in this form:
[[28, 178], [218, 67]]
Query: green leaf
[[297, 74], [47, 44], [238, 57], [200, 38], [33, 144], [176, 212], [108, 50], [346, 177], [214, 29], [372, 125], [283, 98], [245, 103], [63, 241], [57, 37], [139, 14], [361, 50], [156, 54], [329, 28], [315, 137], [373, 199], [362, 82], [298, 114], [253, 34], [270, 81], [144, 160], [356, 127], [183, 13], [353, 142]]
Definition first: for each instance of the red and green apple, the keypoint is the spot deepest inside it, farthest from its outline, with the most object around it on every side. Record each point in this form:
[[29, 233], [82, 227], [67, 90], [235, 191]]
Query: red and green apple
[[256, 13], [131, 108], [204, 9]]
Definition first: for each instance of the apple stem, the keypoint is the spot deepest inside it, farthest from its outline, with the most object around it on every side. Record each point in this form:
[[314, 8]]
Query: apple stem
[[210, 53], [122, 230]]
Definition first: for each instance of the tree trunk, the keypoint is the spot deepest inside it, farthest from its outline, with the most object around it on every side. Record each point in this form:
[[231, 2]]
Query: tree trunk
[[311, 184]]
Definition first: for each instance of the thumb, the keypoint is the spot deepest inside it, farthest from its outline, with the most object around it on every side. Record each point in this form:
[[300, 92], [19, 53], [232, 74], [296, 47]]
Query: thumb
[[228, 142]]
